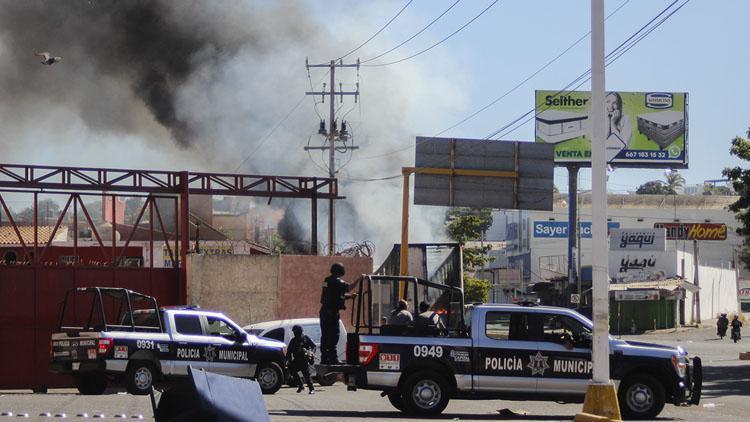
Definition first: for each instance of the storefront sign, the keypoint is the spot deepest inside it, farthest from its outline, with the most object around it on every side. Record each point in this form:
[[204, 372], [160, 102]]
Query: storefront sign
[[626, 267], [694, 231], [559, 229], [638, 239], [625, 295]]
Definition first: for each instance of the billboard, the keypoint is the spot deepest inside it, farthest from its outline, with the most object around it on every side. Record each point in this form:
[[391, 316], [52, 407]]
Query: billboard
[[694, 231], [638, 240], [559, 229], [644, 129], [627, 266], [464, 173]]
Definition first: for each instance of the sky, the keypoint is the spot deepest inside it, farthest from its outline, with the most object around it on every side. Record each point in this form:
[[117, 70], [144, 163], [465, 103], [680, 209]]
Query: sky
[[238, 93], [699, 50]]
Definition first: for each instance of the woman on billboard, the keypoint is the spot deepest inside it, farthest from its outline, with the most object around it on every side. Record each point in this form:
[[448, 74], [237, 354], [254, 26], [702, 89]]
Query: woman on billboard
[[618, 126]]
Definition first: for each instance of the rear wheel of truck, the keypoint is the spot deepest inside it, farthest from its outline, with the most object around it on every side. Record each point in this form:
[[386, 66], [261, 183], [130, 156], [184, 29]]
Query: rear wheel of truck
[[270, 377], [395, 398], [424, 394], [641, 397], [139, 378], [92, 384]]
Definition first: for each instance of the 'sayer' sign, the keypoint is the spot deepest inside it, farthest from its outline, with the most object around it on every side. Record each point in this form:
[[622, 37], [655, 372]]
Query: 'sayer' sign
[[559, 229]]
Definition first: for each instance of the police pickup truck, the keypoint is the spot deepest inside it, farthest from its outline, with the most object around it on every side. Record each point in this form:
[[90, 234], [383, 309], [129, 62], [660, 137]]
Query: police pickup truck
[[142, 344], [499, 351]]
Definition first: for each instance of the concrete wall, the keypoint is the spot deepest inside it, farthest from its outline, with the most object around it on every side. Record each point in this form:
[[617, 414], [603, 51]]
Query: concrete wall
[[245, 287], [301, 278], [718, 293], [255, 288]]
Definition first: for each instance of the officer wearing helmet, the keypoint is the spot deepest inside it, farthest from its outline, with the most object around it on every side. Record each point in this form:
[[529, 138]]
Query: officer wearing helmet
[[300, 355], [332, 299]]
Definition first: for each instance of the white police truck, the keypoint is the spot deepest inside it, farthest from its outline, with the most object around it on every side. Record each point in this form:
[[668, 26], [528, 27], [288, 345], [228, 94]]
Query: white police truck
[[122, 336], [496, 351]]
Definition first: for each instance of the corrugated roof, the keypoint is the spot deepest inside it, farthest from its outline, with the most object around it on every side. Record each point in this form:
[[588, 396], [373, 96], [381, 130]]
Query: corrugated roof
[[668, 284], [8, 236]]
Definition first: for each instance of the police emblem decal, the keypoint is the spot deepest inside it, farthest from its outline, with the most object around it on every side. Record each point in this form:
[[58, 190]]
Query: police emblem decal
[[210, 353], [538, 363]]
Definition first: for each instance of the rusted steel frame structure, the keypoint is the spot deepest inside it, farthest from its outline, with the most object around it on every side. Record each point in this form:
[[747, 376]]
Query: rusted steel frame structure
[[73, 180]]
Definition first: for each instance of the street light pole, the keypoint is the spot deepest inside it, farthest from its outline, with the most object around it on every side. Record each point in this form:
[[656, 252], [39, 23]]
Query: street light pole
[[601, 397]]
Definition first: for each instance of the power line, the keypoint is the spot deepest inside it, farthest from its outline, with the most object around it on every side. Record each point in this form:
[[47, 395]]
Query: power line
[[585, 77], [437, 43], [415, 35], [531, 76], [378, 31]]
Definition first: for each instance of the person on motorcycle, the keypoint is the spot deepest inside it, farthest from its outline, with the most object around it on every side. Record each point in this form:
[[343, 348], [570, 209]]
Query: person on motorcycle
[[721, 326], [736, 328]]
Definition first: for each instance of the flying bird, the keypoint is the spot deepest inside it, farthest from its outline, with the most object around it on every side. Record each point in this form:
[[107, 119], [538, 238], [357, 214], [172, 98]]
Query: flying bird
[[48, 59]]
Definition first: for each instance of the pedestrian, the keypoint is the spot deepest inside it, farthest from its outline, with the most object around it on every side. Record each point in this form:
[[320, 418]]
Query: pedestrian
[[427, 318], [332, 298], [721, 326], [300, 354], [401, 315], [736, 328]]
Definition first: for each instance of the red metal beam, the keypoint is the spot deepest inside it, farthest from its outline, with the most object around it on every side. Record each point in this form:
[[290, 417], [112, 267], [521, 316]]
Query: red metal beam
[[21, 176]]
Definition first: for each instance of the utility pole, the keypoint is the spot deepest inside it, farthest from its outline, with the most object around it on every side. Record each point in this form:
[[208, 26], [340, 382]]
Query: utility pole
[[332, 136]]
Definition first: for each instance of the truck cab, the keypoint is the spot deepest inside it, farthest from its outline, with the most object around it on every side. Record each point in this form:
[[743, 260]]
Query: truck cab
[[502, 351]]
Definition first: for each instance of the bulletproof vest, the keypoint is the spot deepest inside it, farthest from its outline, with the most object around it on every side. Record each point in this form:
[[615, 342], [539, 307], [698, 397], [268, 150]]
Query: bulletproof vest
[[332, 294]]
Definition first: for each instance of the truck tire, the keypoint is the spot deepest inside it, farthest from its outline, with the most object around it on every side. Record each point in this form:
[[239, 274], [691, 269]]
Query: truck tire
[[424, 394], [139, 378], [395, 398], [269, 376], [92, 384], [641, 396], [326, 380]]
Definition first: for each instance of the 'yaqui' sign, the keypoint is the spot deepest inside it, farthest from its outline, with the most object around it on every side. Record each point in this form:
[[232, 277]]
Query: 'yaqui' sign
[[694, 231], [638, 239], [644, 129]]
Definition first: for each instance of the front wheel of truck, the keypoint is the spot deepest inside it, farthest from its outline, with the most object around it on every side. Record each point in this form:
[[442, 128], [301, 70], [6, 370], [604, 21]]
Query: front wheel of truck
[[92, 384], [424, 394], [269, 377], [641, 396]]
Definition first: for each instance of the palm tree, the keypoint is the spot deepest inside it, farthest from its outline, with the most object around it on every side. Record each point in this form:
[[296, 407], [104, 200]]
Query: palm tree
[[675, 182]]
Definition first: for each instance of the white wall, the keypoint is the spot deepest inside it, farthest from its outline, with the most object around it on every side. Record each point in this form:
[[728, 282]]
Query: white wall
[[718, 293]]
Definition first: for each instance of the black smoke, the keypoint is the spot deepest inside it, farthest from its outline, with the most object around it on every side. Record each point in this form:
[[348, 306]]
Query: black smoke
[[151, 47]]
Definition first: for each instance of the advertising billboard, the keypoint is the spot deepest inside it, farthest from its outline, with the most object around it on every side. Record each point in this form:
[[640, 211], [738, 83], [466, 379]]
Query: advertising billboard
[[644, 129], [694, 231], [626, 266], [559, 229], [638, 240]]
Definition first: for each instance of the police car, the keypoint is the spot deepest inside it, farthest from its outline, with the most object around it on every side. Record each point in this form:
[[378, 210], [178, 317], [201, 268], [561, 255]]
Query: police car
[[503, 352], [142, 346]]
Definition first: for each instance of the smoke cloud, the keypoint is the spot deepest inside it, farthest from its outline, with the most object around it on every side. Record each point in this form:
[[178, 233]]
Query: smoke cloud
[[201, 85]]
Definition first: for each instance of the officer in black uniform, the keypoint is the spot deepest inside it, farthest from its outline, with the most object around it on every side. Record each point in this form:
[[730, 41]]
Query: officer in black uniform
[[300, 355], [332, 300]]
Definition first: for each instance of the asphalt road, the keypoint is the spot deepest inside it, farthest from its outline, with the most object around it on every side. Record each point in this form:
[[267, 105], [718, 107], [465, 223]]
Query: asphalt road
[[726, 396]]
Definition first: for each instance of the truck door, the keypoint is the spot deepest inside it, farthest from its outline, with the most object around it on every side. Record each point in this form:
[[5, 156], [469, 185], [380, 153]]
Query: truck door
[[231, 349], [503, 349], [190, 344], [566, 343]]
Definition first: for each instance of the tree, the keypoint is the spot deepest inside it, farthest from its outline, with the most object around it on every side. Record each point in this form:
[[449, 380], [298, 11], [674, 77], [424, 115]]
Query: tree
[[674, 182], [740, 179], [47, 213], [470, 224], [654, 187], [476, 290]]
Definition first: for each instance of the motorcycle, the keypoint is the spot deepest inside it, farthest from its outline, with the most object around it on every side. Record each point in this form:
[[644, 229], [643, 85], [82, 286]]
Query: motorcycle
[[721, 331], [736, 334]]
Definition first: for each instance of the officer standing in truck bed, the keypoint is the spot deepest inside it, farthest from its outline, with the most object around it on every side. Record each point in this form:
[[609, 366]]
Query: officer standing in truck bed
[[332, 298]]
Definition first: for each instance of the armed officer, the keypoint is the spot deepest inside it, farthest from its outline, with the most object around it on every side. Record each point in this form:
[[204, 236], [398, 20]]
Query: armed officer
[[332, 299]]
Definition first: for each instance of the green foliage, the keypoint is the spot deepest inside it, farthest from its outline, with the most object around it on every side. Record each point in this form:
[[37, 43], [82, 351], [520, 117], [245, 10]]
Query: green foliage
[[654, 187], [740, 178], [674, 182], [717, 190], [47, 213], [470, 224], [476, 290]]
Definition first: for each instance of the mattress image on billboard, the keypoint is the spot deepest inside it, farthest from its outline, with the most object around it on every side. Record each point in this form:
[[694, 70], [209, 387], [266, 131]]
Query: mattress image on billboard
[[662, 127], [555, 126]]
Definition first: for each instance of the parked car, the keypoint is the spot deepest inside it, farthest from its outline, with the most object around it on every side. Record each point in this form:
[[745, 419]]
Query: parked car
[[281, 330]]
